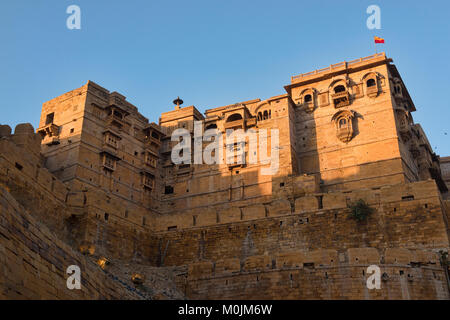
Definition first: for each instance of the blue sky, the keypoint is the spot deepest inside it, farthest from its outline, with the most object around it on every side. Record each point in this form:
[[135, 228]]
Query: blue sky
[[213, 53]]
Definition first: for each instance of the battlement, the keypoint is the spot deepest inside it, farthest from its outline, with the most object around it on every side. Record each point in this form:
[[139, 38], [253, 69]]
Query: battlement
[[339, 67]]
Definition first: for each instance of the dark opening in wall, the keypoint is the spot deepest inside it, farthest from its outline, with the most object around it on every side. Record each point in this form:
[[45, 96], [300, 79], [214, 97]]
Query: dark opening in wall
[[371, 83], [72, 130], [171, 228], [106, 216], [168, 190], [143, 221], [339, 88], [194, 220], [407, 198], [282, 184], [320, 202], [126, 213], [49, 118], [19, 166]]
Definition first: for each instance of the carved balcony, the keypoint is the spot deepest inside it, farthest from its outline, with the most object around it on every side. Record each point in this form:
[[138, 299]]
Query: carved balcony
[[148, 180], [237, 124], [341, 99], [372, 92], [50, 134]]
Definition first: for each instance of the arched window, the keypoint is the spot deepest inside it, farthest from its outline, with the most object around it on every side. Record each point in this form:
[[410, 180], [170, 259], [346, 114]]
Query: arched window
[[339, 88], [342, 123], [370, 83], [259, 116], [155, 135], [266, 115], [308, 98], [211, 126], [234, 117]]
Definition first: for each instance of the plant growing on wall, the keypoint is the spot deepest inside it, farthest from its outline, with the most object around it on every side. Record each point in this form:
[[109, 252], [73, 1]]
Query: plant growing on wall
[[360, 210]]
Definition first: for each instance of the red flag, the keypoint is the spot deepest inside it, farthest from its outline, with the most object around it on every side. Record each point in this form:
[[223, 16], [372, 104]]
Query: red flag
[[378, 40]]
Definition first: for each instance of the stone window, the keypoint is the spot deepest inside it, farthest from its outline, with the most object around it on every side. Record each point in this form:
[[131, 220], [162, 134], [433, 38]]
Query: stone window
[[211, 126], [371, 83], [344, 125], [109, 162], [340, 96], [339, 88], [49, 119], [155, 135], [234, 117], [307, 100], [320, 202], [112, 140], [97, 111], [148, 180], [397, 86], [168, 190], [403, 125], [264, 115], [150, 160], [117, 114]]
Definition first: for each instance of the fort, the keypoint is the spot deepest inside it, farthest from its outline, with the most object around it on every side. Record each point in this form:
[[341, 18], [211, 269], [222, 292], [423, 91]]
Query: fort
[[95, 182]]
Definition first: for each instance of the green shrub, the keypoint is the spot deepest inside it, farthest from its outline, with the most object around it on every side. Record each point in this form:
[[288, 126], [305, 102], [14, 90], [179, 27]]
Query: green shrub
[[360, 210]]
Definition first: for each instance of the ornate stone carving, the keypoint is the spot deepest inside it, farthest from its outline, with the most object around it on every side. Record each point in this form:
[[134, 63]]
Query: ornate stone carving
[[344, 125]]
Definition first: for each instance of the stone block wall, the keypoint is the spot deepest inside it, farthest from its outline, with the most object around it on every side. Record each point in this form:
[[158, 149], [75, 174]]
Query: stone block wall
[[33, 261], [320, 274], [406, 216]]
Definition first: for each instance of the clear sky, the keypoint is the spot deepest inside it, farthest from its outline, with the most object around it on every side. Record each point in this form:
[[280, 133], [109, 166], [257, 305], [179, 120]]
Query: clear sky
[[213, 53]]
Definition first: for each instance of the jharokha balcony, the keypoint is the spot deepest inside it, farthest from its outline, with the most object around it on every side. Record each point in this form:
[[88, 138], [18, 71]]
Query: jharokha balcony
[[341, 99], [49, 133]]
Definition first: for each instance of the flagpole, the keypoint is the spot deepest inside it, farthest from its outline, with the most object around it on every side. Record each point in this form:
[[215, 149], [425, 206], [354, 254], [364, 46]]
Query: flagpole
[[375, 43]]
